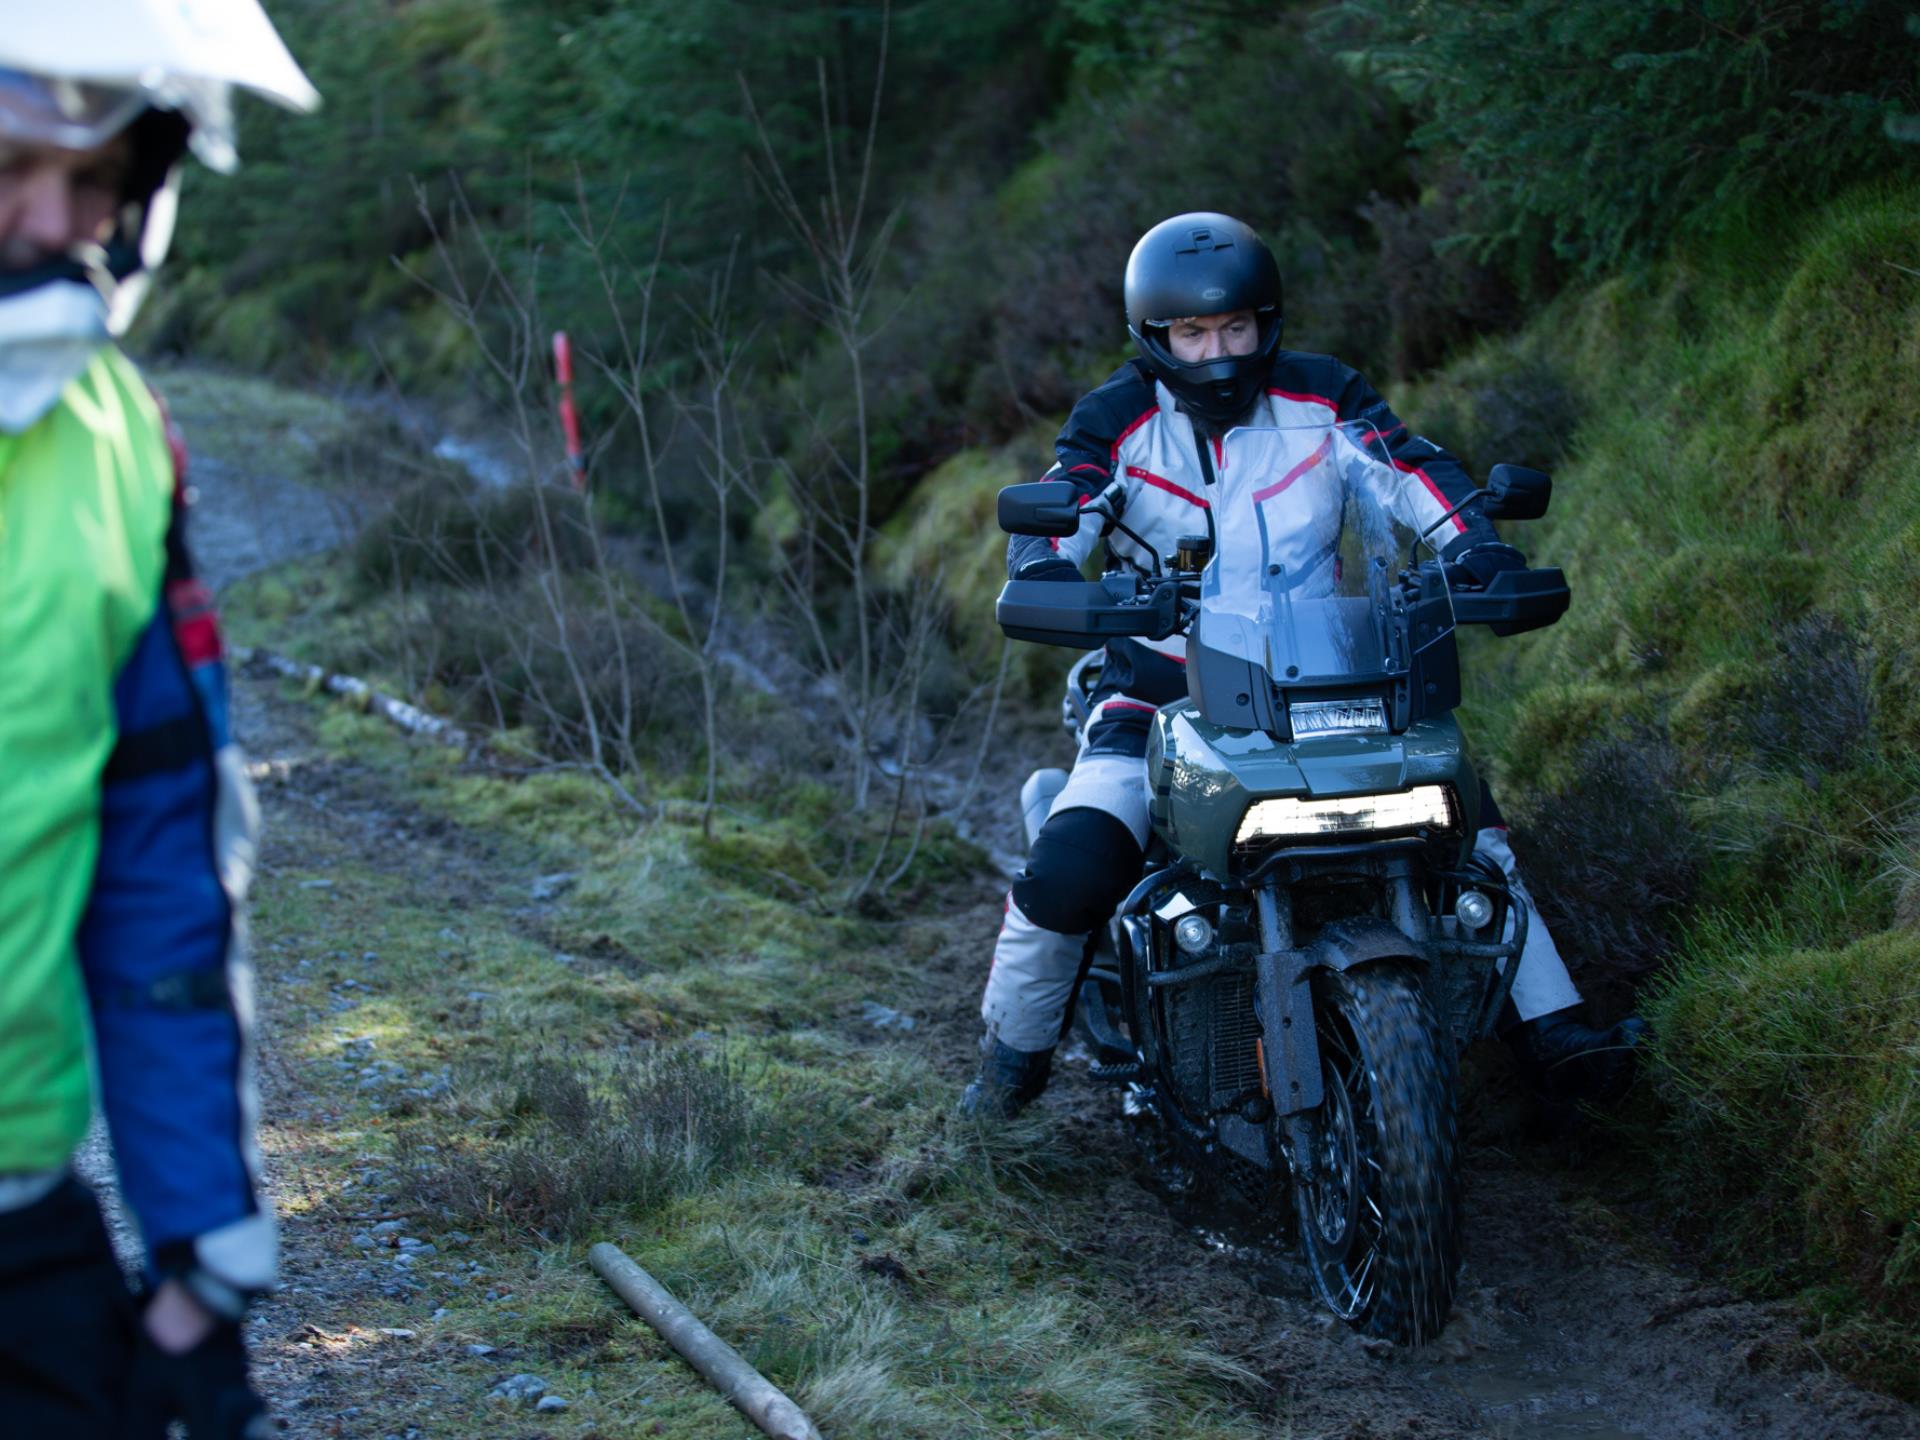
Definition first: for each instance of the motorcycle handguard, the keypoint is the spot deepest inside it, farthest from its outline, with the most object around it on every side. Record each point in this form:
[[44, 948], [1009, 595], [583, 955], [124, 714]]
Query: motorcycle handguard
[[1514, 600], [1087, 613]]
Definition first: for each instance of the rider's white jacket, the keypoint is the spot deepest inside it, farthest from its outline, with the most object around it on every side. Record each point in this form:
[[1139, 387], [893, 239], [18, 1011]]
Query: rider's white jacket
[[1131, 430]]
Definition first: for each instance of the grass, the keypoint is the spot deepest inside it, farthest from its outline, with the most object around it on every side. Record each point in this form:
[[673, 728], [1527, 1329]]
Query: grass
[[1737, 514], [666, 1056]]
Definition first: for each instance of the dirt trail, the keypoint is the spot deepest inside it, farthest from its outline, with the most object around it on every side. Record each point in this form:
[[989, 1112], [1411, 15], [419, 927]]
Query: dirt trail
[[1567, 1327]]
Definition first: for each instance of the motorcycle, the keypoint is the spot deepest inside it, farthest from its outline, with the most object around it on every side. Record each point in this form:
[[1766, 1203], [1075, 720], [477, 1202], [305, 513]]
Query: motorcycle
[[1313, 944]]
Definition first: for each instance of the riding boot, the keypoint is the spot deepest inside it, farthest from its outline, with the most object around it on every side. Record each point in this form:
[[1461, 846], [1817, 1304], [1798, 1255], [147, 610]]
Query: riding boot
[[1008, 1081], [1567, 1061]]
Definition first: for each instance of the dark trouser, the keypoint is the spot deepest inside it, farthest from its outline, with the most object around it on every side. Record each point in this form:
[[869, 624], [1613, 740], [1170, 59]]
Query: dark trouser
[[67, 1321]]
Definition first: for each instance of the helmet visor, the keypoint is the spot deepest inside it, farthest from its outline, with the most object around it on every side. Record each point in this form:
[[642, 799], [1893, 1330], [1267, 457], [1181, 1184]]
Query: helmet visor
[[64, 114]]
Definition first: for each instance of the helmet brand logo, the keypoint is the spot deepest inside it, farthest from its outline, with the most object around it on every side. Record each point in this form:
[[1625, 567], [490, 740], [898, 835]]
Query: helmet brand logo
[[1213, 293]]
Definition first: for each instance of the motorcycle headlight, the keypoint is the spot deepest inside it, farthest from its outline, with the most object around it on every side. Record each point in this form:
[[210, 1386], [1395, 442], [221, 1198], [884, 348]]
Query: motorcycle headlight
[[1425, 807]]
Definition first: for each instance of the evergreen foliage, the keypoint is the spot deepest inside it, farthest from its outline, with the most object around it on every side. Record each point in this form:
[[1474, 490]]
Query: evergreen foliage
[[1608, 128]]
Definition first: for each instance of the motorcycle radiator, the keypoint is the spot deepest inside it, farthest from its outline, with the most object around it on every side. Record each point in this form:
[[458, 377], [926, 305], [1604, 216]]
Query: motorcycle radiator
[[1211, 1032]]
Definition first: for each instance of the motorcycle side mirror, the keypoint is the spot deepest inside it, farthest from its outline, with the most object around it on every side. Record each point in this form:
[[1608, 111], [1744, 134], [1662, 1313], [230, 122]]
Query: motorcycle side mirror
[[1043, 507], [1516, 493]]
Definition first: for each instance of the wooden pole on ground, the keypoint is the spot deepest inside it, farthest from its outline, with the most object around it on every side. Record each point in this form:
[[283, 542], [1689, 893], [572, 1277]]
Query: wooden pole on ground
[[756, 1397]]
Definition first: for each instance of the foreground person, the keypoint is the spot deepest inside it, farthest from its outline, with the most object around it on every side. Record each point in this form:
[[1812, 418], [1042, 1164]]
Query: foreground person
[[126, 822], [1203, 302]]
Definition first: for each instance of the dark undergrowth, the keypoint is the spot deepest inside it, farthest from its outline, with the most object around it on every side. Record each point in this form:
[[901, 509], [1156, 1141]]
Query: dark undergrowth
[[1711, 759]]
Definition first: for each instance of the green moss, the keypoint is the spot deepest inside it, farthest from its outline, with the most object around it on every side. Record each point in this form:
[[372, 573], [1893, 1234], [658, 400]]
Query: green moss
[[950, 532], [1739, 524], [1709, 601], [1555, 723], [1797, 1095], [1841, 340], [1706, 717]]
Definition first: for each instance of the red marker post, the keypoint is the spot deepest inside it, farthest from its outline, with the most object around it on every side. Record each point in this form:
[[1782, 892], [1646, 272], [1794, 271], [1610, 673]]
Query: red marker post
[[569, 417]]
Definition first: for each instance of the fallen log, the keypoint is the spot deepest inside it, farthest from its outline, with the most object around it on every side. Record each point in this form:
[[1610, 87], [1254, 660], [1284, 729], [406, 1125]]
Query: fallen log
[[410, 718], [752, 1393]]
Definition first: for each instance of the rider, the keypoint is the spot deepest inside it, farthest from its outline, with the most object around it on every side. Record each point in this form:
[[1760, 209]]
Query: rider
[[126, 822], [1204, 309]]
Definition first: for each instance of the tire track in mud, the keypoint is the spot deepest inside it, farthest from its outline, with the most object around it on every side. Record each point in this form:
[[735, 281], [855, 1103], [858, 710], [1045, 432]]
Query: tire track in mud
[[1567, 1325], [1566, 1328]]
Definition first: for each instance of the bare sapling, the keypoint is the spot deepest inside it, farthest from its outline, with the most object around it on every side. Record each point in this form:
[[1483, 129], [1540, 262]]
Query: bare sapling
[[574, 654], [832, 490], [869, 645], [710, 418]]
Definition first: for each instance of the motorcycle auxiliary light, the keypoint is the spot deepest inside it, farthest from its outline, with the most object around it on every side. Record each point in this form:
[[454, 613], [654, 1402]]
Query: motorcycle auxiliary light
[[1473, 910], [1192, 934], [1423, 807]]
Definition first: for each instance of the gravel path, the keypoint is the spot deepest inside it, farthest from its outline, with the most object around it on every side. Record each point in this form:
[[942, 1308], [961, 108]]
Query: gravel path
[[243, 523]]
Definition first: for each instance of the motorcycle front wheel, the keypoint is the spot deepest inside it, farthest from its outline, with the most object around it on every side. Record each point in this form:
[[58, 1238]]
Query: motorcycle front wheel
[[1379, 1207]]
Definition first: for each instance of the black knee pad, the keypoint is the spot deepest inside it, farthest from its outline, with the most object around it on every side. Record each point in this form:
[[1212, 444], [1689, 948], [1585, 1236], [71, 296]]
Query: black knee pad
[[1082, 864]]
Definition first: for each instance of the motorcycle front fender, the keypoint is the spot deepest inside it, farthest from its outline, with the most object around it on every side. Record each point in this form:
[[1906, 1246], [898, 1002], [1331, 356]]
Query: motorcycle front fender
[[1284, 981]]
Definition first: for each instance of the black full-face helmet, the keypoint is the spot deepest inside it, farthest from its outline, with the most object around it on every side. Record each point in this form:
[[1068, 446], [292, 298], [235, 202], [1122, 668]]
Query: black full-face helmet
[[1204, 263]]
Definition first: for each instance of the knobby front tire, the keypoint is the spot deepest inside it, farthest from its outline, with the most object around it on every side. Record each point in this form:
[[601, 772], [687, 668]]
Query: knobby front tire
[[1380, 1223]]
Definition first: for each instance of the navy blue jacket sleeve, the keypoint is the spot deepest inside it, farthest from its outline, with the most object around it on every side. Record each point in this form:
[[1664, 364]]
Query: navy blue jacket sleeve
[[158, 947]]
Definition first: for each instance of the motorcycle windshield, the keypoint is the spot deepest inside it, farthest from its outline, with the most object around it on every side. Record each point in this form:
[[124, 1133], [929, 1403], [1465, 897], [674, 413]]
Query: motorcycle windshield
[[1303, 577]]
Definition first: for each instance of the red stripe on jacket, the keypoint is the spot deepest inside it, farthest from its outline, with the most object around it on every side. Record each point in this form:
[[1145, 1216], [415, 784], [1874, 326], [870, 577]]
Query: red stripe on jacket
[[1308, 399], [1439, 496], [1295, 473], [1132, 425], [1160, 482]]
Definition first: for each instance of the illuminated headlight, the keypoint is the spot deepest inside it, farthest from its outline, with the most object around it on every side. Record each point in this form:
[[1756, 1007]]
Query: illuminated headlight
[[1429, 807]]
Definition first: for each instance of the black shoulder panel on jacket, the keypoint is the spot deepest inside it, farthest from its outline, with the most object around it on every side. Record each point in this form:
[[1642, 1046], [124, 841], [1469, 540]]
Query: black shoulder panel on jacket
[[1302, 375], [1102, 416]]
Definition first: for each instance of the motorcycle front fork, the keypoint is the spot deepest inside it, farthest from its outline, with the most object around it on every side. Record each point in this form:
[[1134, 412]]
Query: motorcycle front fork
[[1291, 1054]]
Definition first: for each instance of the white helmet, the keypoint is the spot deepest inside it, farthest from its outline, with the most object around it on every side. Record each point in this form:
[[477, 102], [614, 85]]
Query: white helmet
[[100, 63], [73, 76]]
